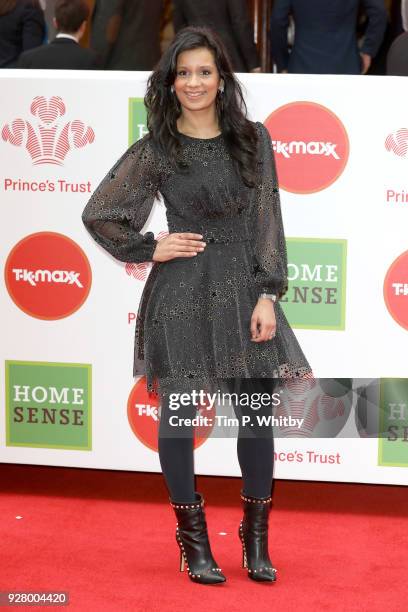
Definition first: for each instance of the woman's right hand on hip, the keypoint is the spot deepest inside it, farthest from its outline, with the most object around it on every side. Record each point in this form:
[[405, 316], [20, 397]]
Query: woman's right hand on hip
[[178, 245]]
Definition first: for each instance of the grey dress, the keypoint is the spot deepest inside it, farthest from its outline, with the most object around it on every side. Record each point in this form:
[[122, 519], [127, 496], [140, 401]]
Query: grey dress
[[193, 322]]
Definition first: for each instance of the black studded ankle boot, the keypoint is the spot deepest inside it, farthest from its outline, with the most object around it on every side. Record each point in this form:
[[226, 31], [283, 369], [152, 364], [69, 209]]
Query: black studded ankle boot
[[192, 538], [253, 533]]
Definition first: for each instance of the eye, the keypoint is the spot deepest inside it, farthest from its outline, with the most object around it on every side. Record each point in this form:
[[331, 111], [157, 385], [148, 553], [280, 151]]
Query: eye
[[206, 72], [181, 73]]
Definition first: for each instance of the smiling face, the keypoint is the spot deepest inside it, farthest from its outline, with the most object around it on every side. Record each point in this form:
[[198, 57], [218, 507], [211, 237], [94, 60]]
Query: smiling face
[[197, 79]]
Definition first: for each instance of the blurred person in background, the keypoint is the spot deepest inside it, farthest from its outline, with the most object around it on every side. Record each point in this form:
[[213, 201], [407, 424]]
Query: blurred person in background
[[397, 59], [325, 35], [64, 52], [22, 27], [230, 19], [126, 33], [399, 17], [397, 24], [49, 12]]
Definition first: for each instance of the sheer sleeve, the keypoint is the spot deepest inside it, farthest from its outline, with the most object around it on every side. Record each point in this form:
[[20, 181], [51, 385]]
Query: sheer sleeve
[[269, 238], [121, 204]]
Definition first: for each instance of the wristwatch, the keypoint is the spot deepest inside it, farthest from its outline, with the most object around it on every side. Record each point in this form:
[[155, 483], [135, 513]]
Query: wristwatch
[[271, 296]]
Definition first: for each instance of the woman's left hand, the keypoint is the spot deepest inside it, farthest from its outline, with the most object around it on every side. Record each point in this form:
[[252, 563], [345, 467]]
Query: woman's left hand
[[263, 321]]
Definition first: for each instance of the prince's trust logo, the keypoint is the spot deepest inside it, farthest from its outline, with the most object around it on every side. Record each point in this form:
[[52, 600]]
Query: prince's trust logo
[[47, 140]]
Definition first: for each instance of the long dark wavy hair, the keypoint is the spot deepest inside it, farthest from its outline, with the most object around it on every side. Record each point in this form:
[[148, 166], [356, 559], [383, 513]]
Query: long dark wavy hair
[[163, 107]]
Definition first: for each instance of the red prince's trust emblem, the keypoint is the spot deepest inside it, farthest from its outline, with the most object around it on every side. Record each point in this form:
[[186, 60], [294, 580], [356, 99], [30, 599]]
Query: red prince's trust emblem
[[48, 141]]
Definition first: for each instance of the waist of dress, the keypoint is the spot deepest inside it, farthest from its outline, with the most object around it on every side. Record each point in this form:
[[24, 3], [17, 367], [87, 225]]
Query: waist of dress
[[220, 230]]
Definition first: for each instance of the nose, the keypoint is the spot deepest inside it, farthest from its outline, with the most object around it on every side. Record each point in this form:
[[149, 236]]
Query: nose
[[194, 80]]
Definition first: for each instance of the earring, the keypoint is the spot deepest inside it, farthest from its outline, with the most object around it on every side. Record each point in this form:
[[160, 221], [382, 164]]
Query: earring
[[172, 89], [221, 88]]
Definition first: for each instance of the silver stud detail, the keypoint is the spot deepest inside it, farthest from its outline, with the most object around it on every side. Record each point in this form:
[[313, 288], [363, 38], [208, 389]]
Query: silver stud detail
[[255, 500]]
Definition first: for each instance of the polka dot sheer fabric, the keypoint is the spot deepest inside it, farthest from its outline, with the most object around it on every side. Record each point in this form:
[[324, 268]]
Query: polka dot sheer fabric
[[193, 321]]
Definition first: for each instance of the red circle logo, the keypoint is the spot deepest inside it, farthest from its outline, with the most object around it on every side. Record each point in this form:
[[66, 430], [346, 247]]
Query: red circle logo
[[48, 275], [396, 290], [311, 146], [143, 411]]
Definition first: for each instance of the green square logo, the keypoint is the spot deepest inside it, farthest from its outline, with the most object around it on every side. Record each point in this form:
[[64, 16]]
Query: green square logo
[[48, 405], [137, 120], [393, 439], [316, 298]]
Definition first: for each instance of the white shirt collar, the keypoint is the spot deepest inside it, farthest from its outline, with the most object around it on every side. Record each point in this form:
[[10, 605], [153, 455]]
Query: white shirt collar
[[62, 35]]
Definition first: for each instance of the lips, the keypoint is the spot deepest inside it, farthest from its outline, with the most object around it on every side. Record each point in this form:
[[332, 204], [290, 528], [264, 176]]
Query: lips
[[194, 95]]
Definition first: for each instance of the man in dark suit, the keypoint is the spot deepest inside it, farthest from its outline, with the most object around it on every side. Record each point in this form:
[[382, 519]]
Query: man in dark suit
[[64, 52], [230, 20], [126, 33], [325, 35], [22, 28]]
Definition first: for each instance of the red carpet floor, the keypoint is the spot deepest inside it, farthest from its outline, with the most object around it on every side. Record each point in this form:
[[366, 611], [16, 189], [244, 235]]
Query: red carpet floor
[[107, 538]]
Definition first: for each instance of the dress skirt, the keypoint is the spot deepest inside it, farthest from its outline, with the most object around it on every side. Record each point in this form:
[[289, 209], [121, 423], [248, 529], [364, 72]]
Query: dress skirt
[[194, 319]]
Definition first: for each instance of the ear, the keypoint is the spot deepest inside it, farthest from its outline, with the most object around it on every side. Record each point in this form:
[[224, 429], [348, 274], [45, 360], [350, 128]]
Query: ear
[[54, 23]]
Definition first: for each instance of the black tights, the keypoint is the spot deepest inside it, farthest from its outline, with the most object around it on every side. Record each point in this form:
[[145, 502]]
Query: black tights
[[255, 448]]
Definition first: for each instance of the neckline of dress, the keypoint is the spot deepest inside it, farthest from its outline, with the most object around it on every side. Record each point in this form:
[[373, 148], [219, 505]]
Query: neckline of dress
[[200, 139]]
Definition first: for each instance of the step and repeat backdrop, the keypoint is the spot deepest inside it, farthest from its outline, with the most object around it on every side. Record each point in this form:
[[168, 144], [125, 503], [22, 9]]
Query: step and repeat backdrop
[[68, 309]]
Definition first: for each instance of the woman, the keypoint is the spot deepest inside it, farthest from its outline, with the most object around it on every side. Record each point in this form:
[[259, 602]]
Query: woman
[[22, 27], [208, 316]]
